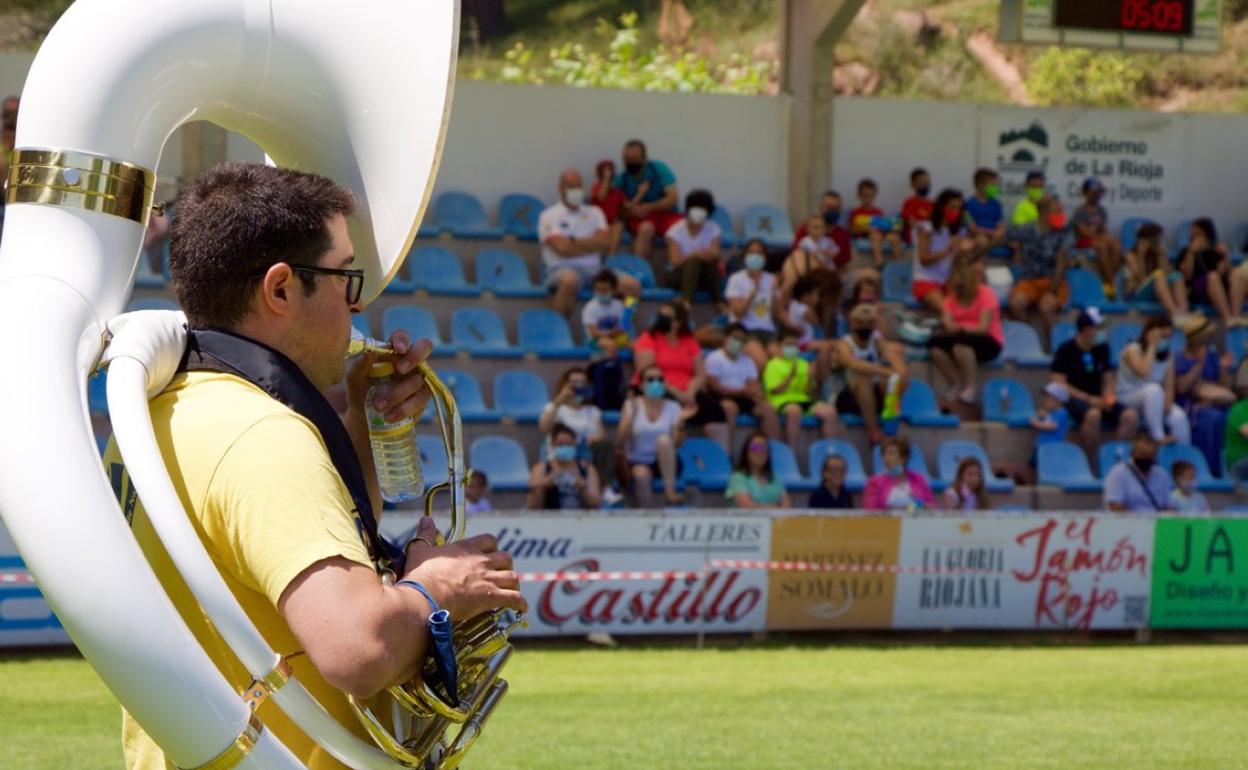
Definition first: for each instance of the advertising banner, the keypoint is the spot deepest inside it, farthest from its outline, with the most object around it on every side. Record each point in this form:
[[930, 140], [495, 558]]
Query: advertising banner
[[843, 598], [713, 600], [1197, 580], [1025, 572]]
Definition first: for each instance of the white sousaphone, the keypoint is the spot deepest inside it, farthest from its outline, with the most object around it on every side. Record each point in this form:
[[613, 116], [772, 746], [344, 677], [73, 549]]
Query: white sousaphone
[[356, 91]]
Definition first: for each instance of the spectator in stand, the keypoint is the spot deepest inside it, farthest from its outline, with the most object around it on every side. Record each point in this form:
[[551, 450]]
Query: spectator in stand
[[1206, 265], [791, 390], [802, 311], [968, 492], [1090, 224], [604, 317], [573, 408], [733, 377], [1235, 446], [562, 482], [1051, 420], [1083, 367], [1239, 288], [476, 493], [918, 207], [1041, 250], [606, 196], [694, 256], [754, 484], [940, 238], [832, 493], [1185, 498], [970, 333], [863, 373], [830, 208], [1202, 377], [650, 189], [987, 223], [1138, 484], [752, 294], [1146, 382], [898, 488], [1028, 210], [1148, 275], [670, 346], [866, 222], [819, 258], [651, 427], [574, 235]]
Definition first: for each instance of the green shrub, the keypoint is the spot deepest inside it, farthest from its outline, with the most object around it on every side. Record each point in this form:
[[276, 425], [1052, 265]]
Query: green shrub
[[1078, 76]]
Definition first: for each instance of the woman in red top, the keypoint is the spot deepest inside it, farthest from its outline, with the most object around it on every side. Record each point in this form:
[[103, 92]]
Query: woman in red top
[[669, 345], [610, 199], [971, 333]]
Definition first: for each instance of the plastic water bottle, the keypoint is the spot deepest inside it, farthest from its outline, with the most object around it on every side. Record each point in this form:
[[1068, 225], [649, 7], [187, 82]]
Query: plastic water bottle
[[396, 454]]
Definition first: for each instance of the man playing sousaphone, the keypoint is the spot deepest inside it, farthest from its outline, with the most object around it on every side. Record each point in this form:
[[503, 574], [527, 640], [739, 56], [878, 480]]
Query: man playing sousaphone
[[279, 487]]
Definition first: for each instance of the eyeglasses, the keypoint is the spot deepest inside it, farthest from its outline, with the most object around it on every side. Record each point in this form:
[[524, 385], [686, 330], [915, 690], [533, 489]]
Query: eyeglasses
[[758, 446], [355, 279]]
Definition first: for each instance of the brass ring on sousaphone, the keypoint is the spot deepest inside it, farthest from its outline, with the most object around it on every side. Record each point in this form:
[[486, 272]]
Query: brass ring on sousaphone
[[421, 720]]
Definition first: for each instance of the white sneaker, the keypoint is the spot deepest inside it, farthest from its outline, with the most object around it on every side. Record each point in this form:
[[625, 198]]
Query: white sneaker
[[611, 498]]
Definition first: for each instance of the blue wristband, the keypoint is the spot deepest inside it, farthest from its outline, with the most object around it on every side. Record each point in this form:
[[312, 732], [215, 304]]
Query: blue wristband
[[442, 648], [433, 603]]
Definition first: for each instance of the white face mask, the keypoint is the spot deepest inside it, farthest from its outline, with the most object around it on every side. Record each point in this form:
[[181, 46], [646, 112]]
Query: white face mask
[[697, 215], [574, 196]]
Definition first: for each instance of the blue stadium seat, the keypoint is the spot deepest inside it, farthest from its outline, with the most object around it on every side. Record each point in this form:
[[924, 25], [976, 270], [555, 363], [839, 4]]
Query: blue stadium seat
[[546, 333], [1130, 226], [1237, 343], [1061, 331], [468, 397], [784, 465], [1205, 482], [97, 393], [1008, 401], [432, 458], [1064, 465], [1239, 243], [954, 451], [502, 460], [917, 463], [641, 270], [417, 322], [503, 272], [770, 224], [1086, 291], [919, 407], [151, 303], [520, 395], [1235, 510], [721, 217], [438, 271], [1120, 336], [518, 214], [855, 474], [360, 322], [898, 283], [480, 332], [1022, 346], [1110, 453], [704, 464], [463, 215]]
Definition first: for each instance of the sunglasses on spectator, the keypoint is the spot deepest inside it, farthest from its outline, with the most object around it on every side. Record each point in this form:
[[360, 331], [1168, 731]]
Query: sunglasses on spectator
[[758, 446]]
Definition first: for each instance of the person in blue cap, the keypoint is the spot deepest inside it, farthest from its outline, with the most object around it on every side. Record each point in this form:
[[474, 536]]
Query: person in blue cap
[[1090, 225]]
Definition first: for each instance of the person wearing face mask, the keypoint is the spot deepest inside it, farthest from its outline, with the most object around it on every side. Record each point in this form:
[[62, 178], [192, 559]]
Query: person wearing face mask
[[649, 188], [651, 427], [939, 238], [1146, 382], [898, 488], [790, 388], [603, 317], [1185, 498], [864, 372], [561, 482], [918, 207], [1041, 249], [865, 225], [1148, 276], [1028, 211], [751, 294], [1084, 368], [987, 217], [573, 408], [830, 207], [733, 377], [1090, 225], [574, 236], [694, 255], [1138, 484], [606, 196], [1206, 265]]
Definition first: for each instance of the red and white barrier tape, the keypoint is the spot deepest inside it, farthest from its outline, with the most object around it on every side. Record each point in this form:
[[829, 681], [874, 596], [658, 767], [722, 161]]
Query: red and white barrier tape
[[20, 578]]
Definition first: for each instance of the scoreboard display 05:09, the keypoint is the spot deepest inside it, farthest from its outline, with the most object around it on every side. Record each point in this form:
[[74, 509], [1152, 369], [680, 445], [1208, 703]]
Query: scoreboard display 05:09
[[1157, 17]]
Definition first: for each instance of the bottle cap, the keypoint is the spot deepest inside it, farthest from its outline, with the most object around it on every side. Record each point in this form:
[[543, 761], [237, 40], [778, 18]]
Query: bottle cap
[[381, 369]]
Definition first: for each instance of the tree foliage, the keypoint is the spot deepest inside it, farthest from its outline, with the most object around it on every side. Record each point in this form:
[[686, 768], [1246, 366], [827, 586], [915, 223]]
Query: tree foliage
[[1078, 76]]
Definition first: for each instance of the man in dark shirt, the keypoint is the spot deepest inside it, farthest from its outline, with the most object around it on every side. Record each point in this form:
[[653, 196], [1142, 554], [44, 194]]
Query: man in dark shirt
[[650, 189], [832, 492], [1082, 365]]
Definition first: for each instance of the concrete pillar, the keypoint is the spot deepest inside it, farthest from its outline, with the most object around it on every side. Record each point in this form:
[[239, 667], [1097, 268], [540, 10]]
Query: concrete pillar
[[810, 30]]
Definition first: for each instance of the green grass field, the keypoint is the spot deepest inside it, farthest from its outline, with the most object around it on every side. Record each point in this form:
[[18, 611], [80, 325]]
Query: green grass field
[[810, 706]]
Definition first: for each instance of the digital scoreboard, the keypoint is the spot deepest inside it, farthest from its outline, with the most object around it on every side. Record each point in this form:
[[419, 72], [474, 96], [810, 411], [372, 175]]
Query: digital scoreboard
[[1154, 17]]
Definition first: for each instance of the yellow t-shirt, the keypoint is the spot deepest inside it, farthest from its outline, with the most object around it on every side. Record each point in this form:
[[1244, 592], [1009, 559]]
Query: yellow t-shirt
[[266, 501]]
